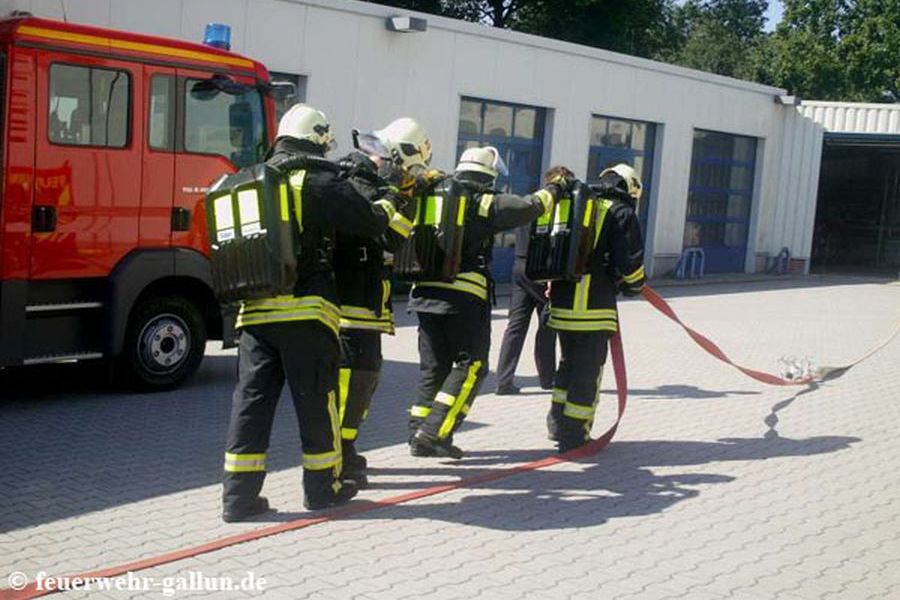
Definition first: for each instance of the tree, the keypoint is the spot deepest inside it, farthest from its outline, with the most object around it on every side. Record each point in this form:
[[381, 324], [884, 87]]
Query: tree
[[871, 49], [720, 36]]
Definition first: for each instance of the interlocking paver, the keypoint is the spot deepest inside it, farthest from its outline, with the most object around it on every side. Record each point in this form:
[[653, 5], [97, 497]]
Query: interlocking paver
[[715, 487]]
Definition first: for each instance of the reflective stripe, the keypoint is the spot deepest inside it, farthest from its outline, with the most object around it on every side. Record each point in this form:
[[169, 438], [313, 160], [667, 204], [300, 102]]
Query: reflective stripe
[[582, 291], [283, 201], [603, 208], [576, 411], [635, 276], [289, 308], [444, 398], [387, 207], [462, 400], [484, 205], [296, 180], [559, 395], [469, 283], [360, 317], [344, 376], [546, 199], [590, 314], [401, 225], [349, 434], [320, 462], [588, 213], [563, 325], [336, 441], [245, 463], [419, 412]]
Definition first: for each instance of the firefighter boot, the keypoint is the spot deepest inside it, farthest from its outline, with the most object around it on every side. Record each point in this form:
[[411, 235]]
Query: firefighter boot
[[423, 444], [321, 490], [242, 512], [572, 434], [355, 465]]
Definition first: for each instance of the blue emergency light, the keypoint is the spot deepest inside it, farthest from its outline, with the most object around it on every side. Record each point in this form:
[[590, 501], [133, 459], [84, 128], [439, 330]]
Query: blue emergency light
[[218, 35]]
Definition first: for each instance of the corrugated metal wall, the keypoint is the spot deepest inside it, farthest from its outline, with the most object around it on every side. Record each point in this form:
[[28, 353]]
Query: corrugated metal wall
[[841, 117]]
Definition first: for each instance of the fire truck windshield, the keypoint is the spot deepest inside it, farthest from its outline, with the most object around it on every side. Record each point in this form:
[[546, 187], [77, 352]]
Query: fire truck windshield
[[224, 118]]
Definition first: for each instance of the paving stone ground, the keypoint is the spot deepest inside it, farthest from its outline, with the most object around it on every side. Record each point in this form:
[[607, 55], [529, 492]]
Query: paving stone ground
[[714, 487]]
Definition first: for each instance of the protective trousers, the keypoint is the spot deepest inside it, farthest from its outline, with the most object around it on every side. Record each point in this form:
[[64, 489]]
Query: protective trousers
[[453, 358], [306, 354], [360, 369], [527, 297], [576, 388]]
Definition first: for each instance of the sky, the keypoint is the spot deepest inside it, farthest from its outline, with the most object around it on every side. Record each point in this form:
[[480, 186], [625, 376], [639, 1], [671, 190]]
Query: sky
[[773, 15]]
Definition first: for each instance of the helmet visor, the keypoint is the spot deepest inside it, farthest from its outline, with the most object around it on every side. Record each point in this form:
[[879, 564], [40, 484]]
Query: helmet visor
[[368, 142], [500, 166]]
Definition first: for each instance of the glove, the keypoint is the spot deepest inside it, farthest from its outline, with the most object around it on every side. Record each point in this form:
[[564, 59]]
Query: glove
[[397, 199]]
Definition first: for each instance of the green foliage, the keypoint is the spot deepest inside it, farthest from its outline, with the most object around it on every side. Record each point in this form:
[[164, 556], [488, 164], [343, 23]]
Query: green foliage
[[822, 49]]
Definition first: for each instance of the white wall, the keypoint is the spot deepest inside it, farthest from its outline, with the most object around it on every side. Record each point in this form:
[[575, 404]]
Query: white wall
[[363, 75]]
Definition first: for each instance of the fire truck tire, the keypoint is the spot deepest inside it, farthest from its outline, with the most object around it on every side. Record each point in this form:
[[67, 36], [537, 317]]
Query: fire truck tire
[[164, 343]]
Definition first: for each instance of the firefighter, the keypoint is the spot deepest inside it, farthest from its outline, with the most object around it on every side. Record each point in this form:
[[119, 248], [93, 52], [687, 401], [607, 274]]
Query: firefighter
[[455, 318], [527, 297], [295, 337], [363, 280], [584, 313]]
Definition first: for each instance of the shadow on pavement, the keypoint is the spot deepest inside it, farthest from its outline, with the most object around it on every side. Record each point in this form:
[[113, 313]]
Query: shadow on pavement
[[69, 448], [619, 482]]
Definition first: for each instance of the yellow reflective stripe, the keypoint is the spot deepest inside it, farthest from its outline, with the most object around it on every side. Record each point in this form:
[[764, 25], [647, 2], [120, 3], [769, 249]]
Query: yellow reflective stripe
[[635, 276], [358, 311], [244, 463], [344, 376], [386, 297], [336, 439], [348, 434], [601, 217], [582, 289], [283, 200], [320, 462], [562, 325], [484, 205], [472, 277], [576, 411], [296, 179], [401, 225], [590, 314], [588, 213], [244, 320], [465, 393], [559, 395], [291, 302], [444, 398], [377, 326], [419, 412], [461, 213], [546, 199], [459, 286], [387, 207]]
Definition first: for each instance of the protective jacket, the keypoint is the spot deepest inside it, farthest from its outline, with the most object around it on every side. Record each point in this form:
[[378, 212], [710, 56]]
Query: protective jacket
[[362, 274], [617, 265], [488, 213], [325, 203]]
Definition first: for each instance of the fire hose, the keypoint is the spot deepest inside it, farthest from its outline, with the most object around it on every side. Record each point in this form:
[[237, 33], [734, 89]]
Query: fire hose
[[618, 362]]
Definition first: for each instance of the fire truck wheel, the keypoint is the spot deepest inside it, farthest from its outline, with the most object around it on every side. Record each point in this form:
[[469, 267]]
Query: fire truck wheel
[[164, 342]]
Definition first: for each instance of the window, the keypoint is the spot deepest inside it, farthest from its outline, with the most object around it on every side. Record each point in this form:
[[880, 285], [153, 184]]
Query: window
[[226, 120], [517, 131], [283, 104], [88, 106], [615, 141], [720, 197], [161, 121]]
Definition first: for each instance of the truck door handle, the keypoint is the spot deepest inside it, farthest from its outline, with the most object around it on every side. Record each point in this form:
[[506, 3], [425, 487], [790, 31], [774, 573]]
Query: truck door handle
[[181, 219], [43, 219]]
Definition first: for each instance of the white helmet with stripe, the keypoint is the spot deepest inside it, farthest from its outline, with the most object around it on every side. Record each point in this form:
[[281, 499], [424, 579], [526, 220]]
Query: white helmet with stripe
[[303, 122], [403, 141], [629, 176], [485, 160]]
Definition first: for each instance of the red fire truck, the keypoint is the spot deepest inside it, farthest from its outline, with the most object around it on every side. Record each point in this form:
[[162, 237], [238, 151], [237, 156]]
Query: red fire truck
[[109, 141]]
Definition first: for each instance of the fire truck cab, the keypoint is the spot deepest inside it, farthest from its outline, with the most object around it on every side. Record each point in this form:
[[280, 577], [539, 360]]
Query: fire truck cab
[[109, 141]]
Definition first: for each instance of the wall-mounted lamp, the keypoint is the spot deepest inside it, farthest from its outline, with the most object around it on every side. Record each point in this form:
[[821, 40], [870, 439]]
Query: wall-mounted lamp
[[788, 100], [406, 24]]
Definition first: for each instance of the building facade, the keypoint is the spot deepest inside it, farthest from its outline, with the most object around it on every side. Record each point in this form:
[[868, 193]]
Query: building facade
[[730, 167]]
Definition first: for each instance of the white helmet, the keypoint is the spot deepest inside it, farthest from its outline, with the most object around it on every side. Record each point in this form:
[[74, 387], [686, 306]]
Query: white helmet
[[630, 176], [404, 142], [485, 160], [303, 122]]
